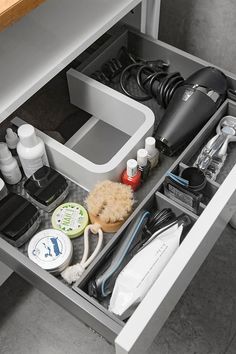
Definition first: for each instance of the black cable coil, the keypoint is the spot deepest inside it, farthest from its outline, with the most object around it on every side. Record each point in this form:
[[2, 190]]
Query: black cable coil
[[153, 81], [151, 76]]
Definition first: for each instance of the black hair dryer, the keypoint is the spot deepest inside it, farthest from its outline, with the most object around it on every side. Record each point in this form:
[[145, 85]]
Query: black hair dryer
[[192, 104]]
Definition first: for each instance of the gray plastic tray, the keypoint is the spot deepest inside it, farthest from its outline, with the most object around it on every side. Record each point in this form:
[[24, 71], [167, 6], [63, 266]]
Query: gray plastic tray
[[155, 197]]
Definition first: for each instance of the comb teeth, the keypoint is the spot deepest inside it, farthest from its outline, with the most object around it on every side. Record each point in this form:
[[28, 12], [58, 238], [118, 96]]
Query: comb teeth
[[111, 201]]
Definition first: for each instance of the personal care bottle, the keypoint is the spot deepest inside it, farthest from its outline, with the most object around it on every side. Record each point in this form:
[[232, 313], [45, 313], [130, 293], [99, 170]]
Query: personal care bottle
[[153, 152], [131, 176], [3, 189], [144, 165], [31, 150], [11, 140], [9, 166]]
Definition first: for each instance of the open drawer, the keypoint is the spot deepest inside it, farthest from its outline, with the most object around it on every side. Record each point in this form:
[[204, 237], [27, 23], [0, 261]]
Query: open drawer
[[137, 334]]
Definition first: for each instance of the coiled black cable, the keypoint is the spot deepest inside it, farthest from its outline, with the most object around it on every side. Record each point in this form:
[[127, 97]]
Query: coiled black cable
[[154, 82], [158, 220], [152, 76]]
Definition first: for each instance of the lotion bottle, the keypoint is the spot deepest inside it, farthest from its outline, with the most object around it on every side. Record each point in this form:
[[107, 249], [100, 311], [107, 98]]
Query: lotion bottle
[[9, 166], [153, 152], [31, 150]]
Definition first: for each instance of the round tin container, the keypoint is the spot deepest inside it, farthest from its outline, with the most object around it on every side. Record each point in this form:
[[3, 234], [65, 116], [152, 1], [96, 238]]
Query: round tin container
[[71, 218], [51, 250]]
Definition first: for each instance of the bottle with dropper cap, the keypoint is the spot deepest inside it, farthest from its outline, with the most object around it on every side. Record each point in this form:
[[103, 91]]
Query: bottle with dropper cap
[[153, 152], [31, 150], [131, 176], [11, 140], [9, 166]]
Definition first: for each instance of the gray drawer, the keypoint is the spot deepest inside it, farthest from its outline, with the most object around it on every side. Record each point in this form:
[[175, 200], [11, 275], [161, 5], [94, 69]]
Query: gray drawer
[[137, 334]]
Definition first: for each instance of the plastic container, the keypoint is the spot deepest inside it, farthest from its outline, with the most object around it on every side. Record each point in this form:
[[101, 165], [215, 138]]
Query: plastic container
[[9, 166], [46, 188], [197, 179], [31, 150], [19, 219]]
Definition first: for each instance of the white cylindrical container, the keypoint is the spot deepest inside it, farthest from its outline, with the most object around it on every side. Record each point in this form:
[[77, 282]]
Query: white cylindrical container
[[31, 150], [153, 152], [9, 166]]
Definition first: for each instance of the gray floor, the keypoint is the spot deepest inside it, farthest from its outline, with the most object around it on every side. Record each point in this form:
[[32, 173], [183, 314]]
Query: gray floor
[[204, 320]]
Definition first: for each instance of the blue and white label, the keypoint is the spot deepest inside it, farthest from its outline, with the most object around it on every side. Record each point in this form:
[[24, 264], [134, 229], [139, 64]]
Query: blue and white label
[[48, 249]]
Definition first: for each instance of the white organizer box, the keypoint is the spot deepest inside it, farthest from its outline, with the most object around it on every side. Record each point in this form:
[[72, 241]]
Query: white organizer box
[[137, 334], [125, 125], [112, 116]]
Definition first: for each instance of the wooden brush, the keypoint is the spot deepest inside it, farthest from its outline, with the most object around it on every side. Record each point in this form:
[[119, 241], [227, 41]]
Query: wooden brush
[[109, 204]]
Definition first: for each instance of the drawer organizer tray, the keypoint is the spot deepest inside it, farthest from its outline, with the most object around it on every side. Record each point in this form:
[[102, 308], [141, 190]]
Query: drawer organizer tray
[[137, 334], [162, 201]]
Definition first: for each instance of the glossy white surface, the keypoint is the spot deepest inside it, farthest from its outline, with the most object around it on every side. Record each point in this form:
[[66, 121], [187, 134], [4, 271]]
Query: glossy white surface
[[42, 43]]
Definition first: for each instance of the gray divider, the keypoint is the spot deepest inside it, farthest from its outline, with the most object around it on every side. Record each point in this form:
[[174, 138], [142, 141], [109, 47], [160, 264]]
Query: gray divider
[[164, 202]]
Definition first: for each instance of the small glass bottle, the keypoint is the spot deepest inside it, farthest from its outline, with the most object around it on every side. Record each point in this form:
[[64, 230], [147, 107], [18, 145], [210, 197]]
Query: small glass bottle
[[144, 165], [131, 176], [9, 166], [153, 152], [11, 140]]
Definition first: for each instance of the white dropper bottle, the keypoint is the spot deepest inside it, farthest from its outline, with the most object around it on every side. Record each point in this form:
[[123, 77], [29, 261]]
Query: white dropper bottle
[[153, 152], [9, 166], [31, 150], [11, 140]]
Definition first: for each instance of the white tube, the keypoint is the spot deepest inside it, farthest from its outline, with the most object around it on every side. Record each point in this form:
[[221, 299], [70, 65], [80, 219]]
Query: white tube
[[140, 273]]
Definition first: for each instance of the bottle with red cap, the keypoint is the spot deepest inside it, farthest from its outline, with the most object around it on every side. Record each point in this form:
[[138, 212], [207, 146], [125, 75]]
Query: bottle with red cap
[[131, 176]]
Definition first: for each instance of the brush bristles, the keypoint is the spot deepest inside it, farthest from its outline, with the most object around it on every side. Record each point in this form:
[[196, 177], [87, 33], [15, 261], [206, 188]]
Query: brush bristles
[[111, 201]]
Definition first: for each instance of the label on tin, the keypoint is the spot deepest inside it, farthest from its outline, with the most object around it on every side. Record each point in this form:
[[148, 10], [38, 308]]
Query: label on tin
[[48, 249], [70, 217]]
